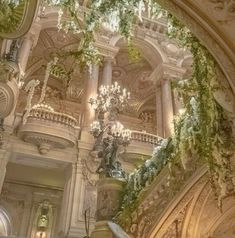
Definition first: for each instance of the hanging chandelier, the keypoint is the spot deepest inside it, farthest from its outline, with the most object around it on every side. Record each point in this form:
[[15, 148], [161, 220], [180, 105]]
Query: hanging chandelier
[[108, 131]]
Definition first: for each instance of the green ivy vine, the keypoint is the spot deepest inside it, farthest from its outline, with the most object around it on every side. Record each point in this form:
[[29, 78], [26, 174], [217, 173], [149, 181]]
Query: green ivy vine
[[119, 14], [202, 133], [9, 11]]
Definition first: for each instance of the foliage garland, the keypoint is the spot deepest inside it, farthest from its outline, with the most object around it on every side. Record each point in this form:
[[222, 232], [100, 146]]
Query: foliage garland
[[116, 15], [8, 10], [203, 132]]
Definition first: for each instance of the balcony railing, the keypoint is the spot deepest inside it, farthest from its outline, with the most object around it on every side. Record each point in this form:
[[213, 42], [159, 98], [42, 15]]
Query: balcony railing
[[55, 117], [49, 129], [145, 137]]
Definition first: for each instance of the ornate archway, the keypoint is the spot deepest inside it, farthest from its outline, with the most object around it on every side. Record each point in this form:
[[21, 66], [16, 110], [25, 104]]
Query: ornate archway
[[213, 24]]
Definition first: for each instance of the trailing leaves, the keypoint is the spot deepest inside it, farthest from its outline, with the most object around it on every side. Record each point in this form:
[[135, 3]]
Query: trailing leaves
[[8, 15], [116, 15], [202, 133]]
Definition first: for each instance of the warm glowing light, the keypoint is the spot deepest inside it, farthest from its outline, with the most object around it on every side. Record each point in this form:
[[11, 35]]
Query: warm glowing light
[[41, 234], [110, 98], [181, 111], [43, 106]]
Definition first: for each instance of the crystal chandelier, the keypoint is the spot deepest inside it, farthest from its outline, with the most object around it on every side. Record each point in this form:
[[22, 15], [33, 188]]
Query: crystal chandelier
[[110, 99], [109, 133]]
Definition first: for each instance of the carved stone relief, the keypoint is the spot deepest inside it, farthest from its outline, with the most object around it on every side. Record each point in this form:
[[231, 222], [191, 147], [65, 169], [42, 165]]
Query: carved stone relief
[[153, 207], [90, 200], [175, 229], [224, 10]]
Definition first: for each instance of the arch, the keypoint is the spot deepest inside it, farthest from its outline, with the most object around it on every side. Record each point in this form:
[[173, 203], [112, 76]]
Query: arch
[[152, 52], [198, 22], [207, 32], [224, 226], [5, 223]]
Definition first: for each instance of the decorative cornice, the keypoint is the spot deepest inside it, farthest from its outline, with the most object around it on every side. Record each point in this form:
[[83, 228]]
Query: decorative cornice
[[167, 71], [106, 50]]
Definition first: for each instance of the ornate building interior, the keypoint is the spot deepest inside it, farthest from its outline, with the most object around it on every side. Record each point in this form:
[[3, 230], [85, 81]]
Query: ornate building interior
[[77, 165]]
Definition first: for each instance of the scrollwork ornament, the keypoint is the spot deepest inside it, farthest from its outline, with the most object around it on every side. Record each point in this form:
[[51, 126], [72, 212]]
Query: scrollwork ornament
[[89, 167]]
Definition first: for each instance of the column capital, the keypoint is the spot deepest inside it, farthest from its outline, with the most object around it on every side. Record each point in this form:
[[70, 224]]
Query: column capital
[[108, 59], [173, 72], [107, 51], [166, 71]]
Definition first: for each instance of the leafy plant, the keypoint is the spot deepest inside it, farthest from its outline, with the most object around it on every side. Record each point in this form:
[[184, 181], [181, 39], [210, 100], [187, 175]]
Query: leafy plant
[[8, 19], [202, 132]]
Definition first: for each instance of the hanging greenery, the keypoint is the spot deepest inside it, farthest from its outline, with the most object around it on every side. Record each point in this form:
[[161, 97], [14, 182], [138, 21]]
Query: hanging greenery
[[139, 181], [202, 132], [117, 16], [9, 11]]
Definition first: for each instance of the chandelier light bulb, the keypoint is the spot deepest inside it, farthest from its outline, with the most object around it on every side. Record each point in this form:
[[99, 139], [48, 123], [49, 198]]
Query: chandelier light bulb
[[110, 99]]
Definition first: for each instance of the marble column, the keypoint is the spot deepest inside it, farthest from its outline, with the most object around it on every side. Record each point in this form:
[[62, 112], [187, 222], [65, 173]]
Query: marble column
[[72, 217], [29, 41], [167, 107], [24, 52], [159, 116], [4, 157], [107, 71], [67, 201], [91, 91]]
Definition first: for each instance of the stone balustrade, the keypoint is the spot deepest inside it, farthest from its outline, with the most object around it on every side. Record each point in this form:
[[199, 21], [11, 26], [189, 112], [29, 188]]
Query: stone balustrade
[[144, 137], [49, 129], [141, 147], [157, 26], [55, 117]]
